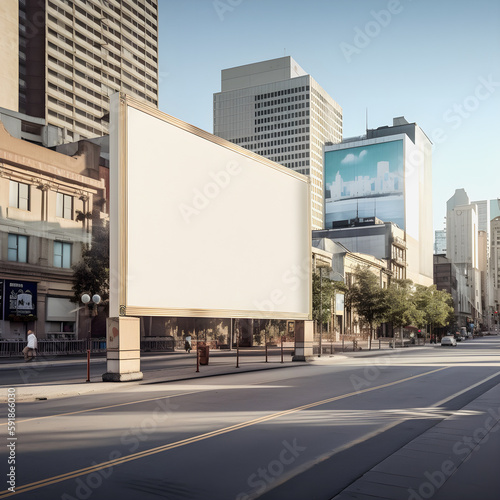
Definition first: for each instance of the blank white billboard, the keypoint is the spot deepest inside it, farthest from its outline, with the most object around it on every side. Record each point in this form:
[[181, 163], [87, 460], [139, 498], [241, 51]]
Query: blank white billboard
[[201, 227]]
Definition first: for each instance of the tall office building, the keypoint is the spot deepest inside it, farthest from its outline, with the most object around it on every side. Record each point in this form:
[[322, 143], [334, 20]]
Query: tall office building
[[483, 215], [463, 249], [275, 109], [385, 175], [73, 54], [495, 269], [484, 219]]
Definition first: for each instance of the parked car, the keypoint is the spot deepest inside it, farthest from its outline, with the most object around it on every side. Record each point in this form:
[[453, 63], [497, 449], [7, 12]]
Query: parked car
[[448, 340]]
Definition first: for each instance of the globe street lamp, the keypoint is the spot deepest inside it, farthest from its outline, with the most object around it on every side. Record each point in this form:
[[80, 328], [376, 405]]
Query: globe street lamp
[[85, 298]]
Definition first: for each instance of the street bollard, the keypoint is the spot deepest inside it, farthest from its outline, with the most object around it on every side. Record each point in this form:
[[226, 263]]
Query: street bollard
[[88, 365]]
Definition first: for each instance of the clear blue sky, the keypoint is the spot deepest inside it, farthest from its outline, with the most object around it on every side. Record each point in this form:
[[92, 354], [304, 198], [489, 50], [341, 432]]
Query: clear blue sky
[[436, 62]]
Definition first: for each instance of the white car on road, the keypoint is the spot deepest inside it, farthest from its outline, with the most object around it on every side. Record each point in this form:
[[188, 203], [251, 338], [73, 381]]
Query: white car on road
[[448, 340]]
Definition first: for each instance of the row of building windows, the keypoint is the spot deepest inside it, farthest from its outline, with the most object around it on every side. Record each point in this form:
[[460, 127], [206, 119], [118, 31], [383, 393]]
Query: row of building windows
[[98, 15], [19, 197], [261, 137], [284, 100], [90, 92], [282, 109], [279, 93], [277, 126], [18, 251], [269, 152], [281, 118], [327, 105], [136, 12], [257, 148], [103, 41]]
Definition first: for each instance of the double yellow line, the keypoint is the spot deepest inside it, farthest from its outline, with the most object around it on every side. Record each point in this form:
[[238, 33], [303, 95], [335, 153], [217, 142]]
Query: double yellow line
[[160, 449]]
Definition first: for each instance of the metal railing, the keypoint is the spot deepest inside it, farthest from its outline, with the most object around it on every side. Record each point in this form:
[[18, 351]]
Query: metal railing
[[356, 344], [157, 344], [14, 348], [10, 348]]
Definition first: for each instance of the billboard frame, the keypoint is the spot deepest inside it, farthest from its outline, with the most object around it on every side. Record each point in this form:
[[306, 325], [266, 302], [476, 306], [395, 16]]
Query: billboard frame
[[119, 212]]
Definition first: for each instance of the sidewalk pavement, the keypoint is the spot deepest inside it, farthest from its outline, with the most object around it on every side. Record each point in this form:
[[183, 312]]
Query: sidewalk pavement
[[175, 369], [457, 459], [220, 363]]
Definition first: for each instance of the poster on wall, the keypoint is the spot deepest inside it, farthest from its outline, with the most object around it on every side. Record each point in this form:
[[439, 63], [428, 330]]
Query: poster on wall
[[20, 300], [365, 182]]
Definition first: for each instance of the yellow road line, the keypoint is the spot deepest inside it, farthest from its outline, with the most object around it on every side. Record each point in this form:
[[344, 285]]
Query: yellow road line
[[326, 456], [135, 456]]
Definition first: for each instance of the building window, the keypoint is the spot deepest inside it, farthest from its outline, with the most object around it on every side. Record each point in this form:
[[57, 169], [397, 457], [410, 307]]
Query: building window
[[64, 206], [19, 195], [62, 254], [18, 248]]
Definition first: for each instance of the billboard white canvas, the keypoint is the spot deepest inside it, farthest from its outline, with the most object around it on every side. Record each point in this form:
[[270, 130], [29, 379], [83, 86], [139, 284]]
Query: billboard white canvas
[[201, 227]]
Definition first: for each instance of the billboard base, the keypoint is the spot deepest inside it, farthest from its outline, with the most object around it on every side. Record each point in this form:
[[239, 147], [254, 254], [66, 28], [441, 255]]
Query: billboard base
[[123, 350], [304, 338], [122, 377]]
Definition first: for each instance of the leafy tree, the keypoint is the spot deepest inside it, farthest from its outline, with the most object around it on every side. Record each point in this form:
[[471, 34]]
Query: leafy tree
[[91, 274], [368, 298], [401, 307], [322, 297], [436, 306], [324, 290]]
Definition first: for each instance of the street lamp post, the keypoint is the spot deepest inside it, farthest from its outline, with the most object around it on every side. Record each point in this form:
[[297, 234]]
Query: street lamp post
[[85, 298]]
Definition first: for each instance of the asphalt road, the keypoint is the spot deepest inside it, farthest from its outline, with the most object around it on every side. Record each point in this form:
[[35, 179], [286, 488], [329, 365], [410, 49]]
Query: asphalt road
[[299, 433], [64, 369]]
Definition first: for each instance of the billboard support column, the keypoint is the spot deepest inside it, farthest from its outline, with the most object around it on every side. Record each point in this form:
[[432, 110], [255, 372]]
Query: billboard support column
[[304, 338], [123, 337]]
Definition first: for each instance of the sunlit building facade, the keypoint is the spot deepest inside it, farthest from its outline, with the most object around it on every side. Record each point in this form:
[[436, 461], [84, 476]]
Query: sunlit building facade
[[275, 109], [385, 175], [71, 55]]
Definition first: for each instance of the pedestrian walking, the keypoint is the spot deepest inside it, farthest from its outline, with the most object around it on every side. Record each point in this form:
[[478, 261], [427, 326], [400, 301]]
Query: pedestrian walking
[[29, 350], [187, 344]]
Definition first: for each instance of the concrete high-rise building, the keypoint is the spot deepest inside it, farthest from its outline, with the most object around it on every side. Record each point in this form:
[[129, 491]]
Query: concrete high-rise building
[[70, 56], [494, 208], [495, 269], [387, 175], [275, 109], [462, 248], [9, 35], [483, 215]]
